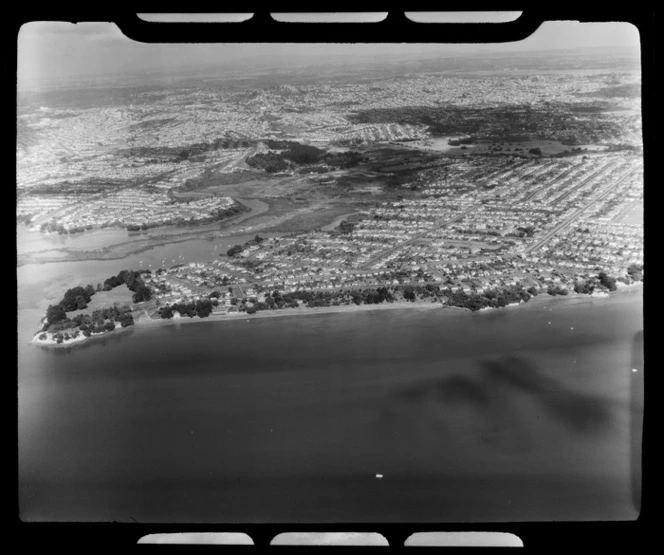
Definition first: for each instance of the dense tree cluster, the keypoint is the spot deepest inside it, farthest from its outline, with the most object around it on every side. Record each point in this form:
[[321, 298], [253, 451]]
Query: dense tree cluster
[[335, 298], [428, 292], [343, 160], [525, 231], [201, 308], [55, 313], [77, 298], [134, 282], [607, 281], [313, 169], [602, 281], [59, 325], [409, 293], [635, 271], [557, 290], [235, 249], [271, 162], [346, 227], [302, 154], [101, 320], [584, 287], [180, 154], [461, 141], [492, 298]]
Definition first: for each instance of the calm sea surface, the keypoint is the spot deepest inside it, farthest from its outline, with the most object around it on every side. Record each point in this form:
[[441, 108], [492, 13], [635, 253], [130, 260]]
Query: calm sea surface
[[503, 415]]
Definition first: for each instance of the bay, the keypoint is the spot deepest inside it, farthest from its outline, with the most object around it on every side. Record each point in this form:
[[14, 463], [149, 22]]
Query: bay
[[524, 413]]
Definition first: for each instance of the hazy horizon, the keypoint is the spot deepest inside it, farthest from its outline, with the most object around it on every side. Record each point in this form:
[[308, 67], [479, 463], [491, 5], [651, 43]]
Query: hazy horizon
[[52, 52]]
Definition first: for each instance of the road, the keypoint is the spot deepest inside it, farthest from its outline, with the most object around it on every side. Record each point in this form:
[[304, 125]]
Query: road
[[547, 185], [443, 223], [572, 217], [439, 223], [584, 182]]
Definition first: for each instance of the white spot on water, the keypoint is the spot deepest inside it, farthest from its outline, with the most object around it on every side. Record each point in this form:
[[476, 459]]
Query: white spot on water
[[571, 328], [634, 370], [379, 476]]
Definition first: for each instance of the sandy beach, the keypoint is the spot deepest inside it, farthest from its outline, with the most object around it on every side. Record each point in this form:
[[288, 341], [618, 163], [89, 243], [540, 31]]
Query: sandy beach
[[295, 312]]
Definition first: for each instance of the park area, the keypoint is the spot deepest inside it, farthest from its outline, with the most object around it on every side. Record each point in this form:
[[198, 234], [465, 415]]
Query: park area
[[120, 295]]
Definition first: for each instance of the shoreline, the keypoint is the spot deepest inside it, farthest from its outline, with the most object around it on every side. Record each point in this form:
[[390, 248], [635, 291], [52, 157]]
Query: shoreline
[[284, 312], [341, 309], [51, 343]]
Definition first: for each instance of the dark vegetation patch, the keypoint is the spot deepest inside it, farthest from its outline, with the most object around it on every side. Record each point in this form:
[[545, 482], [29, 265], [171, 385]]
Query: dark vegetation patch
[[289, 155], [456, 120], [159, 154], [390, 166], [213, 178], [514, 122]]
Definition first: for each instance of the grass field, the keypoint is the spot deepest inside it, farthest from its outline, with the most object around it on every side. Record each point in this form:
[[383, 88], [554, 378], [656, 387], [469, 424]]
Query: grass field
[[102, 299], [315, 219]]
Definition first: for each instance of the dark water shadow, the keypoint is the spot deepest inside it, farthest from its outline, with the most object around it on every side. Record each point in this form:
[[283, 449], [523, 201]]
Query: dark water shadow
[[429, 407], [492, 392], [580, 412]]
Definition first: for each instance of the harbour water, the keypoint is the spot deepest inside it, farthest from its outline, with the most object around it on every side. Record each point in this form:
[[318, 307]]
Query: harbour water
[[524, 413]]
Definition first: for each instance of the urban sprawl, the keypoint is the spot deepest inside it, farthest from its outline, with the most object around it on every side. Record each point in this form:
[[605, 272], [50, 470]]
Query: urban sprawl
[[462, 191]]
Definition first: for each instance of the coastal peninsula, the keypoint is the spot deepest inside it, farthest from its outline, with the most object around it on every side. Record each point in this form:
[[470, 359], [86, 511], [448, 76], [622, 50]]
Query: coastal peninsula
[[74, 320]]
